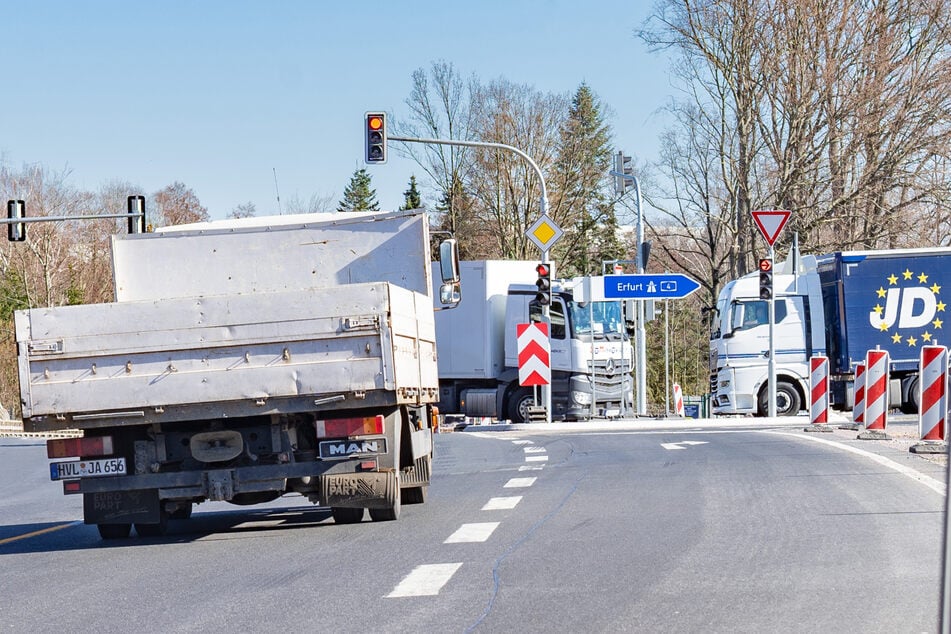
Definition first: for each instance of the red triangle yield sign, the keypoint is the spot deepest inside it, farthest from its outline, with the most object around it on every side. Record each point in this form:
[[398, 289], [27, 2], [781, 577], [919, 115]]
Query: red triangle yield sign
[[771, 222]]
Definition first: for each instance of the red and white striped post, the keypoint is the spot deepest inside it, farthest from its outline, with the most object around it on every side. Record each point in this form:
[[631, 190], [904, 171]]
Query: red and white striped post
[[678, 401], [858, 410], [876, 395], [819, 394], [933, 401]]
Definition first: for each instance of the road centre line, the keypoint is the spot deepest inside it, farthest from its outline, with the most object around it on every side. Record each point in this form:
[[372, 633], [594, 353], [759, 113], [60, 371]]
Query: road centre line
[[502, 504], [425, 580], [472, 533]]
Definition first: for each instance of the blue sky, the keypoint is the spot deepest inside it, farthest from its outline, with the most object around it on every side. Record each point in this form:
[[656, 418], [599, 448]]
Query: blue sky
[[219, 95]]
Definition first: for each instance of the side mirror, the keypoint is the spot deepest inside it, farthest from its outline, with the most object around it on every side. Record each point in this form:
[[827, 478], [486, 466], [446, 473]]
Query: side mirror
[[449, 262], [449, 294]]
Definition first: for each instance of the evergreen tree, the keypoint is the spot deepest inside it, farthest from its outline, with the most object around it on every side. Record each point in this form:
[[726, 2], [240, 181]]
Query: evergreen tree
[[411, 197], [358, 196], [582, 208]]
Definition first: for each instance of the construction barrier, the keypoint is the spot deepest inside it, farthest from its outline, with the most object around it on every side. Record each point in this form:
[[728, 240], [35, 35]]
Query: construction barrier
[[678, 401], [819, 381], [858, 409], [876, 395], [933, 404]]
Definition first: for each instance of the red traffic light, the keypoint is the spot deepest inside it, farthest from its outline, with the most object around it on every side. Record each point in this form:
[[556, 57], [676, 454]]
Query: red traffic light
[[543, 270], [765, 265], [375, 122]]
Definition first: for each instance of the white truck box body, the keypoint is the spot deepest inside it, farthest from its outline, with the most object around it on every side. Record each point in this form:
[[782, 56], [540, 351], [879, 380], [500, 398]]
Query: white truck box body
[[472, 335], [270, 313], [276, 253]]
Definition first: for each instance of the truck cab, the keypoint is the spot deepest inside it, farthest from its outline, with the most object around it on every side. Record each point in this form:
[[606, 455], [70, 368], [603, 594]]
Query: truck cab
[[739, 343]]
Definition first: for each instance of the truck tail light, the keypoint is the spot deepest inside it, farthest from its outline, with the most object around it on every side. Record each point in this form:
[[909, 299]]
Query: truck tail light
[[348, 427], [86, 447]]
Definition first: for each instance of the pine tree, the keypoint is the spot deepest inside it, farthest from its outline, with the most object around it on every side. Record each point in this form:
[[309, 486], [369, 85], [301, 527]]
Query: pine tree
[[584, 157], [358, 196], [411, 197]]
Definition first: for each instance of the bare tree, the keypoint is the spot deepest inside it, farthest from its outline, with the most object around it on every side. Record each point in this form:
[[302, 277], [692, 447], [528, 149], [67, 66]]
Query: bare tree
[[178, 204], [439, 104]]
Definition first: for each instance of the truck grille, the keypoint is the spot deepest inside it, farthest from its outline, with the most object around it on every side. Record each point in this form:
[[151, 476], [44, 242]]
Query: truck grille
[[610, 372]]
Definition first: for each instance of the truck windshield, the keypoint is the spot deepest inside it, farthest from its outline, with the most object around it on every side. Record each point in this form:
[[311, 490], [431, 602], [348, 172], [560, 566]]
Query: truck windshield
[[602, 319]]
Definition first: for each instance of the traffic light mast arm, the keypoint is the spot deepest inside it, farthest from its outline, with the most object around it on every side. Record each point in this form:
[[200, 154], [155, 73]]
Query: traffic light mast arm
[[501, 146]]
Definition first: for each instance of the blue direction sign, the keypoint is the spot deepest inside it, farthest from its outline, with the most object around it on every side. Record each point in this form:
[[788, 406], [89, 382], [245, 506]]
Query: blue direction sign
[[648, 286]]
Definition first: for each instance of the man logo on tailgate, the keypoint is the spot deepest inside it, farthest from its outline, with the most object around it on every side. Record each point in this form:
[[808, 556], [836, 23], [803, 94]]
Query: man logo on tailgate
[[347, 448]]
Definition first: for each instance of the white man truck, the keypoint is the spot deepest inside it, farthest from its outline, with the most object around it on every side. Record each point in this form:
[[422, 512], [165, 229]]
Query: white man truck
[[243, 360], [839, 305], [591, 355]]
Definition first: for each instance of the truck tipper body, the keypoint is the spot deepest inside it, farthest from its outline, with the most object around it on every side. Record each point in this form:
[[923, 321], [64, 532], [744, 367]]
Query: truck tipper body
[[839, 305], [478, 354], [243, 360]]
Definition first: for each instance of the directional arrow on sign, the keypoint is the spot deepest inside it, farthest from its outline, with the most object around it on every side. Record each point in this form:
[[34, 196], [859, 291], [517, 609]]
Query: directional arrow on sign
[[671, 446], [646, 286]]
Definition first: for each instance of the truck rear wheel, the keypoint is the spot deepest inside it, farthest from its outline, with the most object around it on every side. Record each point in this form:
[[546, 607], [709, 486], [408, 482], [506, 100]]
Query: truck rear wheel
[[392, 512], [346, 515], [518, 404], [788, 402], [153, 530], [114, 531]]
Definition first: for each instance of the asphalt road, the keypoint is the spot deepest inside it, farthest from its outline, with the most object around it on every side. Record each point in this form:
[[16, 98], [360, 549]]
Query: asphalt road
[[560, 528]]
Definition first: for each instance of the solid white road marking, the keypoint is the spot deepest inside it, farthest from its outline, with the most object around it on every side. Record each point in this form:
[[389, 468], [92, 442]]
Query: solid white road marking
[[501, 504], [425, 580], [471, 533], [935, 485], [519, 483]]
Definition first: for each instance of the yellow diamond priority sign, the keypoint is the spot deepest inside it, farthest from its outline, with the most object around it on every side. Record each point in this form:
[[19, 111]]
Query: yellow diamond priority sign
[[544, 233]]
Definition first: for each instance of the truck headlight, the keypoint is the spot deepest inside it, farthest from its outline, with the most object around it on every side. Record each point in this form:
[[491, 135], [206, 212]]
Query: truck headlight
[[581, 398]]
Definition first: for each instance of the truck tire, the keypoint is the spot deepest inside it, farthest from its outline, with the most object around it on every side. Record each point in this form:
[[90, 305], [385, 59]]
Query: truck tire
[[345, 515], [392, 512], [418, 494], [153, 530], [518, 403], [788, 402], [114, 531]]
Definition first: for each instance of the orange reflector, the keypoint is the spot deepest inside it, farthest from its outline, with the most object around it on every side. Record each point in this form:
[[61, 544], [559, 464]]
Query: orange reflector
[[79, 447], [347, 427], [71, 486]]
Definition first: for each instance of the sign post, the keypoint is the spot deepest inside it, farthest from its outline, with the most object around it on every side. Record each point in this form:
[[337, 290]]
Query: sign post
[[771, 223]]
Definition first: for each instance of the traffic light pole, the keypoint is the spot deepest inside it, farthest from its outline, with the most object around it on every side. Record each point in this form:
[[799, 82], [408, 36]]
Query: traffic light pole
[[545, 389], [771, 372]]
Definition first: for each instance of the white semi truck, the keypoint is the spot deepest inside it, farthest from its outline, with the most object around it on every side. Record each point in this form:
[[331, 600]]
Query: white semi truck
[[591, 359], [839, 305], [243, 360]]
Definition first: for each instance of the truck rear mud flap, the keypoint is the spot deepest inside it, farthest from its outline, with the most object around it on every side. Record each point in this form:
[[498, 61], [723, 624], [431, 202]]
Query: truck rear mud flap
[[359, 490]]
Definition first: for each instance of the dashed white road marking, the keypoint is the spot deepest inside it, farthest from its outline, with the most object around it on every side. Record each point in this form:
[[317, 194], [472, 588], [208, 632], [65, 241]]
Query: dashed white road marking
[[531, 468], [536, 458], [519, 483], [471, 533], [425, 580], [523, 442], [534, 450], [501, 504]]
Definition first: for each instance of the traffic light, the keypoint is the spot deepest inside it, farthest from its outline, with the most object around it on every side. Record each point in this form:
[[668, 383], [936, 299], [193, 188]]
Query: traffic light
[[16, 231], [543, 296], [623, 173], [375, 127], [136, 206], [765, 278]]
